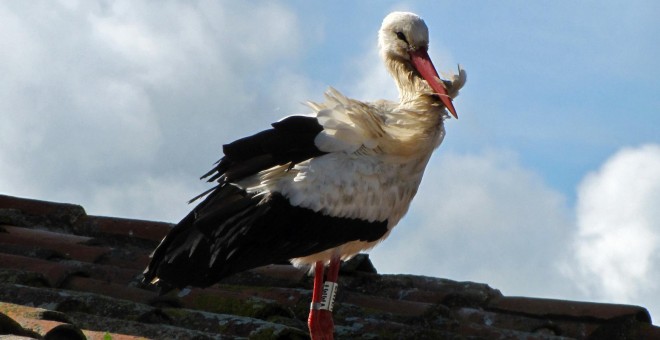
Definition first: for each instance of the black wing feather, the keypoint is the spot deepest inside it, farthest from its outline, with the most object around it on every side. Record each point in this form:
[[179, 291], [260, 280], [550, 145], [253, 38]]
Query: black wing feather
[[230, 230], [236, 231], [290, 140]]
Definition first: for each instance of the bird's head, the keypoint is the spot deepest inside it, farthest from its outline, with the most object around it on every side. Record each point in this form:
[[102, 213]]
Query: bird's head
[[400, 33], [404, 38]]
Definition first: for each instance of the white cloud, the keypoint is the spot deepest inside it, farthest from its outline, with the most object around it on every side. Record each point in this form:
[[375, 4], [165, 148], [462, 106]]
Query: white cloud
[[112, 98], [485, 218], [372, 81], [617, 247], [150, 198]]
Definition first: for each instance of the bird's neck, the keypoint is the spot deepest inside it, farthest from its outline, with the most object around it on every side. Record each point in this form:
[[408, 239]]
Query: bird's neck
[[418, 117], [412, 87]]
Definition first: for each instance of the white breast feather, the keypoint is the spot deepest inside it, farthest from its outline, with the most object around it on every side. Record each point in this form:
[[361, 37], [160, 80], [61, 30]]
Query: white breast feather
[[376, 158]]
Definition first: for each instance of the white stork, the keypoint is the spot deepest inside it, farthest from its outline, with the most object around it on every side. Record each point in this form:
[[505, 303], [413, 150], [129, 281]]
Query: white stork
[[317, 189]]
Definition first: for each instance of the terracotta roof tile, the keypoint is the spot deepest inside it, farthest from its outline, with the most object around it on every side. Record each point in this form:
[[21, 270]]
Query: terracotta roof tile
[[385, 305], [116, 290], [552, 307], [134, 262], [61, 245], [38, 322], [68, 273], [53, 273], [39, 214], [125, 228]]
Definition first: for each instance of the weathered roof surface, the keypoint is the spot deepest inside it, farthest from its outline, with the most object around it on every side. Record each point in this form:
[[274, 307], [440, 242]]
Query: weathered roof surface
[[65, 274]]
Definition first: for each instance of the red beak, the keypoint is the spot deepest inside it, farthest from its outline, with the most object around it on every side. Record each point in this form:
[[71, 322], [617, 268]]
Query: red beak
[[421, 61]]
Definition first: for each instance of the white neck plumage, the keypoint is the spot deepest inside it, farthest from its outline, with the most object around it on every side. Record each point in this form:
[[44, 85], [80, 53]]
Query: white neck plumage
[[414, 92]]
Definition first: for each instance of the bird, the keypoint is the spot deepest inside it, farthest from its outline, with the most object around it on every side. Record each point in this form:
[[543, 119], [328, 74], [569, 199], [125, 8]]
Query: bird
[[316, 189]]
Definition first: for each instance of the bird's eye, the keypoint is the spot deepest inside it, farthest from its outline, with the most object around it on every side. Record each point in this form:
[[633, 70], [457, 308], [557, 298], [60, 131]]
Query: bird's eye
[[401, 36]]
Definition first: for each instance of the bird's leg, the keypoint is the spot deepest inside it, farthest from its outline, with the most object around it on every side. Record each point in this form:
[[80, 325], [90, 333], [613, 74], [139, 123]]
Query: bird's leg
[[328, 299], [321, 326], [313, 322], [333, 269]]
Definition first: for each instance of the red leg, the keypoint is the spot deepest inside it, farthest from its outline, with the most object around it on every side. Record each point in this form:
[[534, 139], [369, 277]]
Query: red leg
[[313, 322], [333, 269], [321, 326]]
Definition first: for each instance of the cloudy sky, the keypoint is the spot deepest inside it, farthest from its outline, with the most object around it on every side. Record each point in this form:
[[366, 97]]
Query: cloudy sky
[[548, 184]]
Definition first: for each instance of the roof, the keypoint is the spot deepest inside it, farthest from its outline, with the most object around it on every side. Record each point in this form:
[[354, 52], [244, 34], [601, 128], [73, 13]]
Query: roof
[[69, 274]]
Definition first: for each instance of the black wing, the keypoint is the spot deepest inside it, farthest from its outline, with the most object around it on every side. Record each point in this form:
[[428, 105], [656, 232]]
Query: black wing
[[231, 230], [290, 140]]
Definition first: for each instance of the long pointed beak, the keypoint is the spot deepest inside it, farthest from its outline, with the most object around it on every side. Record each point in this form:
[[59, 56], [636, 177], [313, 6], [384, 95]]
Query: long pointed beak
[[422, 62]]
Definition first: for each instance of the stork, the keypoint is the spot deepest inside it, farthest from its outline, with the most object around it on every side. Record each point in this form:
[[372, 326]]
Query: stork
[[317, 189]]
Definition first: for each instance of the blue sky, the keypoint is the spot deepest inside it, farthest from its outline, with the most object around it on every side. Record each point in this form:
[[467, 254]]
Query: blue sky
[[563, 84], [547, 185]]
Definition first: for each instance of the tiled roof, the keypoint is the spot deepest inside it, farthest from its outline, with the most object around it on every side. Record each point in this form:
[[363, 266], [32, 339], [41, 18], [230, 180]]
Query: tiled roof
[[68, 275]]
